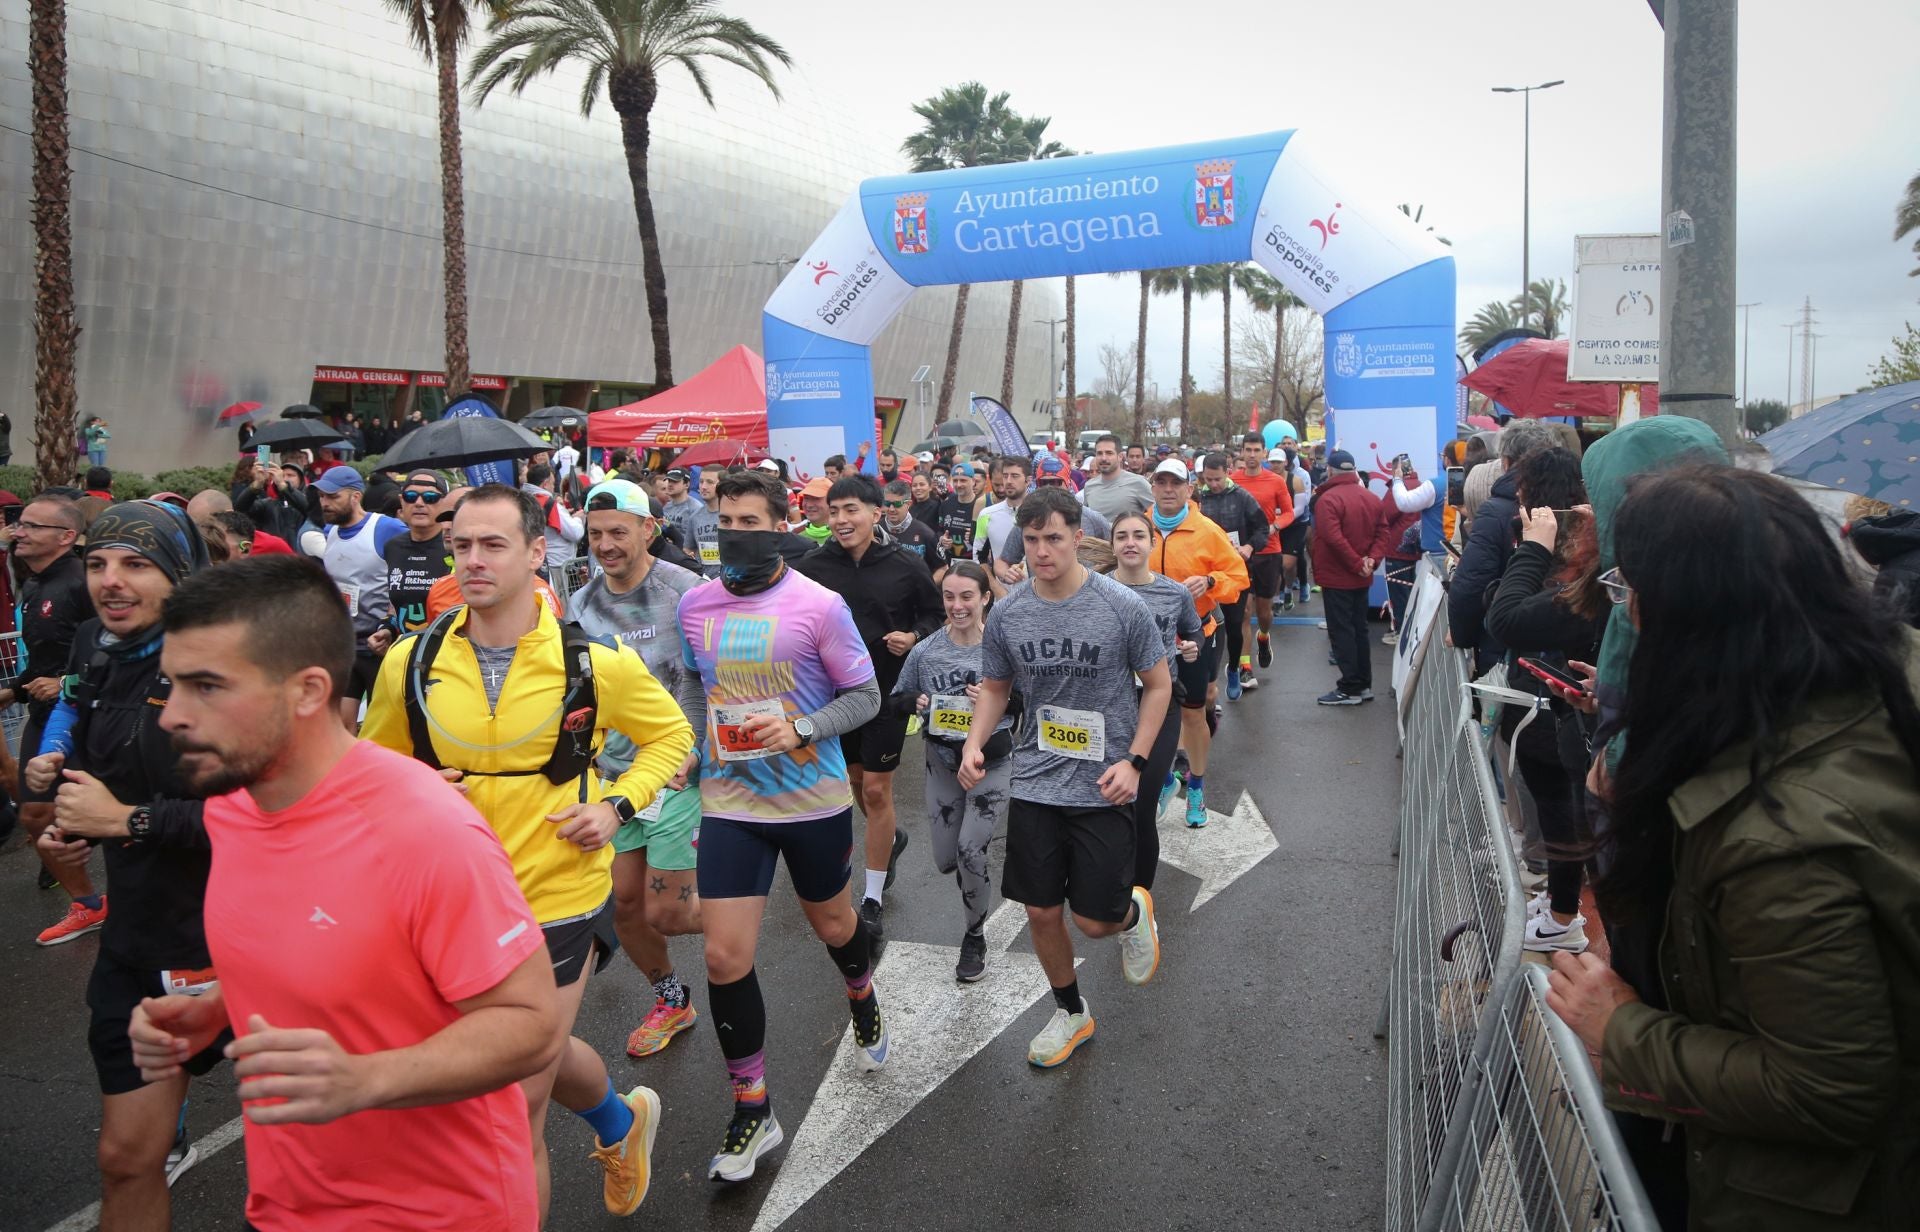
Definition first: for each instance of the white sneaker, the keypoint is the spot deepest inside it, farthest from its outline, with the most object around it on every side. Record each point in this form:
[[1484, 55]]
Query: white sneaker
[[1546, 935], [183, 1156], [1537, 905], [1063, 1033], [1390, 638], [1140, 945]]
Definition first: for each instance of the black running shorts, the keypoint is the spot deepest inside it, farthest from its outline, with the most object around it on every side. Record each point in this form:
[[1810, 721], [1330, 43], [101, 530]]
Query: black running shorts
[[572, 944], [875, 745], [113, 991], [1080, 856], [1263, 571]]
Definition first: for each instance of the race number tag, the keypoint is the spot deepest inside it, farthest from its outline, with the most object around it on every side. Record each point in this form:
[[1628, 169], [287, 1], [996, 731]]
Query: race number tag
[[1079, 734], [709, 551], [652, 811], [1233, 537], [730, 734], [950, 714], [350, 595], [188, 983]]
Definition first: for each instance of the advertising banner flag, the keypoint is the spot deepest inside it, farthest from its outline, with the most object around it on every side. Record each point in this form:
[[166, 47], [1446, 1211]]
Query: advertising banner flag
[[1616, 323], [485, 472], [1007, 437]]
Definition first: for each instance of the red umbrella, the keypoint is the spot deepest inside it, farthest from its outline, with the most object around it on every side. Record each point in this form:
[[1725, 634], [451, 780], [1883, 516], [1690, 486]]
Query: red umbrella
[[238, 410], [721, 453], [1529, 378]]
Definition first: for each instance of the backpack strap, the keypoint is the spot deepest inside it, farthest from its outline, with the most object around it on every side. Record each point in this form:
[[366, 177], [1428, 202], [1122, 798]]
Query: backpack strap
[[573, 749], [420, 657]]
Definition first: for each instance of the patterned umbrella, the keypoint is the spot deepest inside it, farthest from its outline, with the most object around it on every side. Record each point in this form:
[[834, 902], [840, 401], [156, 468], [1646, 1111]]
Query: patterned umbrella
[[1868, 443]]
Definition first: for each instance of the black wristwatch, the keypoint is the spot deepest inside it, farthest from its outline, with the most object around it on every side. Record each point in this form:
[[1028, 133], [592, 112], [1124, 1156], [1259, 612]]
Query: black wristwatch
[[803, 728], [1138, 763], [622, 808], [140, 824]]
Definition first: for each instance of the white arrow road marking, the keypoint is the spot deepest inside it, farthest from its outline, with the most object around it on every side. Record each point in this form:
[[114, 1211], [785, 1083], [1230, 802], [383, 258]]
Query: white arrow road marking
[[936, 1024], [1218, 854]]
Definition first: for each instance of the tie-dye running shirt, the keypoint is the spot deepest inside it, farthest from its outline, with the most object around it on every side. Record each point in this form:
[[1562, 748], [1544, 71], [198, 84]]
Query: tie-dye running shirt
[[795, 644]]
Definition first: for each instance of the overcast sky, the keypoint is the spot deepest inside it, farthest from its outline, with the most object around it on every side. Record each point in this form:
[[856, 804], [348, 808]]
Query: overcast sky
[[1829, 129]]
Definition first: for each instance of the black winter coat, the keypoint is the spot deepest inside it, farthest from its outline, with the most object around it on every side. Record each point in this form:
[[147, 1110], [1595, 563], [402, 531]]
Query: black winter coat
[[1489, 545]]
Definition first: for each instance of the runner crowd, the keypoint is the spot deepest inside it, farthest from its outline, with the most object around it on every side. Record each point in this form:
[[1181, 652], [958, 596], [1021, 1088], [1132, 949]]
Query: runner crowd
[[610, 704]]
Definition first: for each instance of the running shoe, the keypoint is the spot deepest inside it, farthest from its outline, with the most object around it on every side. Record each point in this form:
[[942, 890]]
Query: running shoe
[[1286, 602], [1264, 645], [1546, 935], [893, 860], [1389, 638], [1538, 904], [973, 958], [872, 914], [1196, 807], [1063, 1033], [1366, 695], [1337, 698], [659, 1027], [752, 1133], [1179, 767], [1140, 945], [78, 922], [628, 1163], [1323, 624], [1248, 681], [183, 1156], [46, 880], [869, 1031], [1233, 684]]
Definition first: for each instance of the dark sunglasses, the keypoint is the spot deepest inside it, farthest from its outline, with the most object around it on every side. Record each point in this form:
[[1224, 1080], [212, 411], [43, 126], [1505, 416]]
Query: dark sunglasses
[[432, 498], [895, 504]]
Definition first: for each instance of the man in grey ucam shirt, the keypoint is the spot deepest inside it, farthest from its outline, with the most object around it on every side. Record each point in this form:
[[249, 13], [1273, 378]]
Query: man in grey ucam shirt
[[1113, 490], [1072, 641], [636, 598]]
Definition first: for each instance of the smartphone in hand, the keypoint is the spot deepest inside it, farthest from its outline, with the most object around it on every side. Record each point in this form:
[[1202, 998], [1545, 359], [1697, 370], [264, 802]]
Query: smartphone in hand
[[1553, 675]]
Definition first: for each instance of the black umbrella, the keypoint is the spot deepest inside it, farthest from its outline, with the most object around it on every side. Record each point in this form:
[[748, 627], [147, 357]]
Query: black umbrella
[[287, 435], [554, 417], [463, 441], [303, 410]]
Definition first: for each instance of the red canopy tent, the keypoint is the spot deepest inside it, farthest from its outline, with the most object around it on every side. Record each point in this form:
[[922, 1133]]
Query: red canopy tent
[[727, 398]]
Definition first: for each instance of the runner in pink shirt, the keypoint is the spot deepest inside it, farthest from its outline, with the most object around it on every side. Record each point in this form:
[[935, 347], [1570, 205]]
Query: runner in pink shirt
[[386, 981]]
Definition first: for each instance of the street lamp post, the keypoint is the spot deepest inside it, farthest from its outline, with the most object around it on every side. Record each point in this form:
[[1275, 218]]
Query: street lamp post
[[1053, 325], [1526, 188], [1746, 339]]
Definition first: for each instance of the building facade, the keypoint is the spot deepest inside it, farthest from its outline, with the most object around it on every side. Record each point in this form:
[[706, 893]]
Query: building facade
[[256, 216]]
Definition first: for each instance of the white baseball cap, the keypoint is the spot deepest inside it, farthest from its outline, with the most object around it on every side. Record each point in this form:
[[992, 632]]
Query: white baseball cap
[[767, 464], [1276, 454], [1174, 467]]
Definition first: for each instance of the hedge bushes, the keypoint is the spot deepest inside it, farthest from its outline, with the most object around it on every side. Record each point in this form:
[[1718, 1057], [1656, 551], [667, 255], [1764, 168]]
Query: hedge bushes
[[131, 485]]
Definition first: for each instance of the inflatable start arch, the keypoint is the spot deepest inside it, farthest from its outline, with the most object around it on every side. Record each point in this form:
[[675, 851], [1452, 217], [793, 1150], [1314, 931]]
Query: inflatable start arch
[[1384, 286]]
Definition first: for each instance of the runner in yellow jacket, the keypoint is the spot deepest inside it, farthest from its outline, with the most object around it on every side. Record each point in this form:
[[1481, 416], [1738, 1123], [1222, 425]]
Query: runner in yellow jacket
[[1191, 549], [485, 693]]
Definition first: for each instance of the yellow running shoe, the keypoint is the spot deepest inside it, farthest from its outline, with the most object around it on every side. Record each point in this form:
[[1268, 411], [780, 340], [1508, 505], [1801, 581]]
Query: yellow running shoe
[[659, 1027], [629, 1162]]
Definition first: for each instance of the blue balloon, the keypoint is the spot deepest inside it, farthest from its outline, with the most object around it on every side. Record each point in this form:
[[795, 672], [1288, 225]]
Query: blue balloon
[[1278, 430]]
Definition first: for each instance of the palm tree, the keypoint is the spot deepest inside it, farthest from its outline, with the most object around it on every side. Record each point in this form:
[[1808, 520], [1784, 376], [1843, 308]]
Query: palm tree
[[1207, 280], [1033, 144], [963, 127], [1906, 219], [1414, 212], [56, 337], [1268, 294], [1070, 417], [1166, 282], [1495, 317], [1140, 365], [439, 29], [625, 46], [1544, 307]]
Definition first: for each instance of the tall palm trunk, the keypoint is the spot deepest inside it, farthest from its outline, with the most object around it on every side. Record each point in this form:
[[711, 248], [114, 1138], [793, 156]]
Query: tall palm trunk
[[453, 205], [1070, 417], [1186, 342], [633, 93], [1226, 348], [951, 371], [56, 337], [1013, 343], [1140, 366], [1279, 340]]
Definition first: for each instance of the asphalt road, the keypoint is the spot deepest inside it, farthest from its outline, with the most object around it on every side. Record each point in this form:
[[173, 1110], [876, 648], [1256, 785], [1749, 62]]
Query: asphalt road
[[1240, 1089]]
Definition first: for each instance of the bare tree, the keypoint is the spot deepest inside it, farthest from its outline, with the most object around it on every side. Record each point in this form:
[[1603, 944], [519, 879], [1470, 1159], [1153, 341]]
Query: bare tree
[[1300, 365], [1119, 376]]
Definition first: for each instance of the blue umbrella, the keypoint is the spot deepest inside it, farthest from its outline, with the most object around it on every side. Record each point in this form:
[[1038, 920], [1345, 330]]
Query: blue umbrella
[[1867, 444]]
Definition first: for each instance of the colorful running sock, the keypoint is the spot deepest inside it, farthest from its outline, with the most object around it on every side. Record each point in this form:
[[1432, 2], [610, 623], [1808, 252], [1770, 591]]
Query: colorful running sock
[[749, 1078], [1194, 783], [1068, 998], [611, 1118], [740, 1020], [670, 989], [855, 960]]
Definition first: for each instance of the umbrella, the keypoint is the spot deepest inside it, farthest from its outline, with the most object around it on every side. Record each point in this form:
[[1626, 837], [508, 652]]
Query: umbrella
[[1483, 423], [721, 453], [239, 410], [303, 410], [288, 435], [959, 427], [463, 441], [1867, 444], [1529, 378], [554, 417]]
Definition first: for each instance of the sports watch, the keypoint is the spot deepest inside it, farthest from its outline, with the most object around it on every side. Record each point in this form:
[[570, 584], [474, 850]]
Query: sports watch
[[140, 824], [803, 728], [1138, 763], [622, 808]]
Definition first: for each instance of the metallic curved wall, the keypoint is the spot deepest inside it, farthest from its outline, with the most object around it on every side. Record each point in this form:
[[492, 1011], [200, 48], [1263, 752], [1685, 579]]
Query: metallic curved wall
[[193, 297]]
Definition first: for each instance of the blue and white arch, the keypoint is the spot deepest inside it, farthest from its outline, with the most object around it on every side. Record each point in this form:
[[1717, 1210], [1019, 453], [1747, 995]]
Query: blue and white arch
[[1384, 286]]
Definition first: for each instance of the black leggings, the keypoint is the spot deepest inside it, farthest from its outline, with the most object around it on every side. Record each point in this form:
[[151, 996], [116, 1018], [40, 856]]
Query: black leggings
[[1563, 827], [1234, 617], [1146, 804]]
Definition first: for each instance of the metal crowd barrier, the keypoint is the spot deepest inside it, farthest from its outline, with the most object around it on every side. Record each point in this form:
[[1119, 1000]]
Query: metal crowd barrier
[[568, 578], [1495, 1118], [14, 717]]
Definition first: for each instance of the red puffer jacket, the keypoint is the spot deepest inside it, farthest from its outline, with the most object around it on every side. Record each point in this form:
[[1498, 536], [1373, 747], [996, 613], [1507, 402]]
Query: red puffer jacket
[[1347, 525]]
